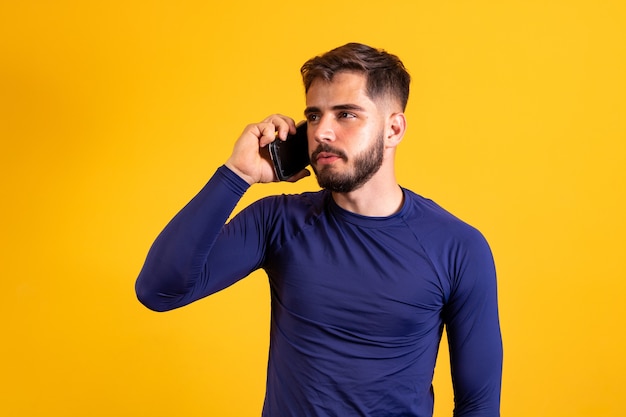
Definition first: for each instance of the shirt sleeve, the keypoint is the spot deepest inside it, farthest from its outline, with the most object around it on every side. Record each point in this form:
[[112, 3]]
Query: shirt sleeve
[[473, 329], [193, 256]]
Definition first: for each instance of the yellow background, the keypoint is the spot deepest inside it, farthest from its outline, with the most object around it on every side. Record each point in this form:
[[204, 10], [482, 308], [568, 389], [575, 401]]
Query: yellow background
[[114, 114]]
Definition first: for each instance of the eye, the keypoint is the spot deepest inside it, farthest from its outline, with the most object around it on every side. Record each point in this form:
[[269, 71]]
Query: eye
[[346, 115], [312, 117]]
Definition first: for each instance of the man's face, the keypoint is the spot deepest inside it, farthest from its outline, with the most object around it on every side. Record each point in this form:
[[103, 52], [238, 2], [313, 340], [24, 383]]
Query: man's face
[[346, 132]]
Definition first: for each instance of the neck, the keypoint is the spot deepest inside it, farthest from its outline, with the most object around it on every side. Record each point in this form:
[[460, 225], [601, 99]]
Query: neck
[[372, 199]]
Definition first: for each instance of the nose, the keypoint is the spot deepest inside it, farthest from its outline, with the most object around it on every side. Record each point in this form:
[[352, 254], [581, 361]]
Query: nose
[[322, 130]]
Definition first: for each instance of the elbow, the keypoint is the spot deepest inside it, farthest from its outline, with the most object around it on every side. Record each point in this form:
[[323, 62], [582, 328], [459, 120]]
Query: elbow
[[151, 304], [152, 299]]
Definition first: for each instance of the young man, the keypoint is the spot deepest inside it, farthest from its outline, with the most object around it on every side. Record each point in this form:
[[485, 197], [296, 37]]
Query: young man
[[364, 274]]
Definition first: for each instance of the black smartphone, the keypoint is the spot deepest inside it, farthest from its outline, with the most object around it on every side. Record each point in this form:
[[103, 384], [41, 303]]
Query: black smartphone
[[291, 155]]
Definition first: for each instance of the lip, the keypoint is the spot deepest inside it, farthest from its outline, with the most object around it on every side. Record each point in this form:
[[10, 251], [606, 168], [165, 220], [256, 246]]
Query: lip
[[327, 158]]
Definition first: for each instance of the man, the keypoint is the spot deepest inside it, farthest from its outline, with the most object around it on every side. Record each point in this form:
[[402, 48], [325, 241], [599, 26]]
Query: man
[[363, 274]]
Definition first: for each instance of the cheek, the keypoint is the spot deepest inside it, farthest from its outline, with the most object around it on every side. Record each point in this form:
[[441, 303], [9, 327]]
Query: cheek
[[353, 135], [363, 138]]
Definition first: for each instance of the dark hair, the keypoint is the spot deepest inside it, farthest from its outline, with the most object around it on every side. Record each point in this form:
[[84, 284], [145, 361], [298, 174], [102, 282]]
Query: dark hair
[[386, 75]]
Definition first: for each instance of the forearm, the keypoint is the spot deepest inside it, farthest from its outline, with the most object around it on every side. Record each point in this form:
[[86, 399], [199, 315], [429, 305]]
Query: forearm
[[477, 376], [176, 259]]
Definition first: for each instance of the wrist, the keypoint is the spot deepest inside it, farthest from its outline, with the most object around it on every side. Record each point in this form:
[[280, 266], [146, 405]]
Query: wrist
[[239, 173]]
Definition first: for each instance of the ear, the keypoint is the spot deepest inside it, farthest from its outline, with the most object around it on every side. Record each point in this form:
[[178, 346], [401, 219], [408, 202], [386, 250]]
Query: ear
[[396, 126]]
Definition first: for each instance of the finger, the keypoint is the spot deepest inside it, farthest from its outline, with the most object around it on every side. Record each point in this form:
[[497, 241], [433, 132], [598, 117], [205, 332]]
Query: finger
[[267, 133], [283, 125], [285, 130]]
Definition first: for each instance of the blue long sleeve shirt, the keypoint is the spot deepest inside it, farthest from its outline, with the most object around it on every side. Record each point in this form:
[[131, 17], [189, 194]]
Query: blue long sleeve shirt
[[358, 303]]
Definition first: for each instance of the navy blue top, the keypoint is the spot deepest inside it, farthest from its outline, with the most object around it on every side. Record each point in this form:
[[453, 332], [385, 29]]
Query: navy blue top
[[358, 303]]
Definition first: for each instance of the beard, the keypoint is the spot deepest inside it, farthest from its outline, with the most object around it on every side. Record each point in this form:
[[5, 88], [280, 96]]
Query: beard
[[364, 166]]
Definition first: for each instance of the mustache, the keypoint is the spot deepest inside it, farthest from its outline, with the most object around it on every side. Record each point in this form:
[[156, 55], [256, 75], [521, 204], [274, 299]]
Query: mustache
[[324, 147]]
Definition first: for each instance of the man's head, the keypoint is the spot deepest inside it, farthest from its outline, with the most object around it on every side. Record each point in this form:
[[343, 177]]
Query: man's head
[[386, 76]]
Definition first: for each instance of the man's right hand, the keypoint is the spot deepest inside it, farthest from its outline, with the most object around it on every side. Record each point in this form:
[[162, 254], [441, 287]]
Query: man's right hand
[[250, 158]]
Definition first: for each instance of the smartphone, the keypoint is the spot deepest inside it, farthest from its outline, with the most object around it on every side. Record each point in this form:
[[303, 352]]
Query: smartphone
[[291, 155]]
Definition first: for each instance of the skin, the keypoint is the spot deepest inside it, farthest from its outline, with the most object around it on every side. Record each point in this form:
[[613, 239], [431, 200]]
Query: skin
[[341, 115]]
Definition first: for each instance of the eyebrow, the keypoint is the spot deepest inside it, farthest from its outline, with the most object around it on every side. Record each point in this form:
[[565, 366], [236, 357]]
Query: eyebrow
[[352, 107]]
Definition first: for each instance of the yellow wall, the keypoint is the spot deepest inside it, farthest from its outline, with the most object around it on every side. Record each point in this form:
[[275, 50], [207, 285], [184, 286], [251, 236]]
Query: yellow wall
[[112, 115]]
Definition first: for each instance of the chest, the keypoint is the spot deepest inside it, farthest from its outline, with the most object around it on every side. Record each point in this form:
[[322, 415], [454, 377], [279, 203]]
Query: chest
[[373, 280]]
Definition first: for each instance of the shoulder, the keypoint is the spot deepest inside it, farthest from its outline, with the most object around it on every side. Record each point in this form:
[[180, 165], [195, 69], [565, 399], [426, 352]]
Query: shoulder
[[292, 205], [435, 222], [449, 241], [283, 215], [458, 252]]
